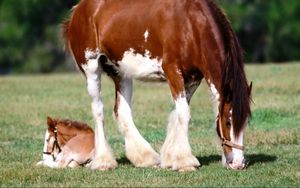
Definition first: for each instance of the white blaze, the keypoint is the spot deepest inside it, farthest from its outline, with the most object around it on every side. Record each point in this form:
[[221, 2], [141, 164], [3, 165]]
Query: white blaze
[[45, 156]]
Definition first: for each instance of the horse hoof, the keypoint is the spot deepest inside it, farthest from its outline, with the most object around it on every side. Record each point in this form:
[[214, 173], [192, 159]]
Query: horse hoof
[[149, 160], [184, 164], [103, 164]]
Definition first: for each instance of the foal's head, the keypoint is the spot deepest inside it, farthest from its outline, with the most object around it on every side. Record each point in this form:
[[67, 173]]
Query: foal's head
[[59, 132]]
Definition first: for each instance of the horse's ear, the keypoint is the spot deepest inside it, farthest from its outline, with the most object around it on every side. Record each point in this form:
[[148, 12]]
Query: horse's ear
[[50, 123], [250, 88]]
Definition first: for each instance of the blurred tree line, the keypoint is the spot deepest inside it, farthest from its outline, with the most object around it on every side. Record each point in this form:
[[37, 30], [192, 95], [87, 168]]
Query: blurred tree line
[[30, 40]]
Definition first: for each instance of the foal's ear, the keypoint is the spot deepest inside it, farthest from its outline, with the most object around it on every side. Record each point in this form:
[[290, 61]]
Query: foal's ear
[[50, 122]]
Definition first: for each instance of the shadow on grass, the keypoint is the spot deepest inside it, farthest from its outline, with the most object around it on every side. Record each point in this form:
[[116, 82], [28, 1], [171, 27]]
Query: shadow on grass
[[206, 160], [252, 159], [124, 161], [260, 158]]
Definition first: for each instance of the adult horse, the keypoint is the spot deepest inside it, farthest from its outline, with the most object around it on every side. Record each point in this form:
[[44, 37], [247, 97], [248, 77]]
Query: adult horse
[[180, 41]]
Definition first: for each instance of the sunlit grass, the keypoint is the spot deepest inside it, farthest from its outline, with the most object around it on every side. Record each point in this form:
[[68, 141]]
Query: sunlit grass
[[272, 139]]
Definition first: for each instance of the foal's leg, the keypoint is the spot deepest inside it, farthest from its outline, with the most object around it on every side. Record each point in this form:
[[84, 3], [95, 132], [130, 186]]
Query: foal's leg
[[103, 158], [176, 151], [138, 150]]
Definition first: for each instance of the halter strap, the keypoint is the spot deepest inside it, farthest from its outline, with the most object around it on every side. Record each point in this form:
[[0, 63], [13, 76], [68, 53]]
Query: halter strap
[[231, 144], [55, 144]]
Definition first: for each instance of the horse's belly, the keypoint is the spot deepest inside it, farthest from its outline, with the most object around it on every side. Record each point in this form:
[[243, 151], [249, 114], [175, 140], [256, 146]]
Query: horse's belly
[[141, 66]]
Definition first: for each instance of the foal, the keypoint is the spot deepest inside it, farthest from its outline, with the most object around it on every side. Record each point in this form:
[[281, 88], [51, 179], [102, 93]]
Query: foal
[[67, 144]]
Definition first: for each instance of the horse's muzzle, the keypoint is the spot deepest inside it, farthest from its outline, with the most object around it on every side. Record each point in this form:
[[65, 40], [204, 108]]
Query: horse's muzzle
[[236, 165]]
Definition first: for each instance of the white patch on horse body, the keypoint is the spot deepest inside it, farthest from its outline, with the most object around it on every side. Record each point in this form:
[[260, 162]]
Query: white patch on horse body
[[141, 66], [176, 151], [146, 35], [103, 158], [90, 54]]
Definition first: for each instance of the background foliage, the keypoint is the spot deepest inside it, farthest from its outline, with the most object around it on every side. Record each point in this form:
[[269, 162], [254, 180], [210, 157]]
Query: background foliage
[[30, 38]]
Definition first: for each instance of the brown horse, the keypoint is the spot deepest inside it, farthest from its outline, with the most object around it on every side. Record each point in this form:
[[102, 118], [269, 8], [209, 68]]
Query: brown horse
[[180, 41], [67, 144]]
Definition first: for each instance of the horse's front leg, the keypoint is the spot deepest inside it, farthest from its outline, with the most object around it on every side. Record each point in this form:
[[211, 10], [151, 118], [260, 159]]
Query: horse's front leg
[[138, 150], [176, 151], [103, 157]]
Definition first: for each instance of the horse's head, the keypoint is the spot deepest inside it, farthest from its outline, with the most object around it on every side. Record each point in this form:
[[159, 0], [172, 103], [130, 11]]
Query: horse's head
[[53, 143], [231, 142], [230, 129]]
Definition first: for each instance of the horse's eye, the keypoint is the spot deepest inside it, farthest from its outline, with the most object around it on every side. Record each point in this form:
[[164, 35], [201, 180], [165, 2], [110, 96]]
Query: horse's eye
[[228, 124]]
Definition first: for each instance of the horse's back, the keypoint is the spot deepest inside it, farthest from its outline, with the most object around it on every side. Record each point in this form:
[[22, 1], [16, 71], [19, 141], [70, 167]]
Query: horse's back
[[117, 26]]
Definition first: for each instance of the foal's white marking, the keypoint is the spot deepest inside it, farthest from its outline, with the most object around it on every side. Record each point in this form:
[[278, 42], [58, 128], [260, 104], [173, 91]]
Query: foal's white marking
[[141, 66], [103, 155], [47, 159], [146, 35], [45, 156]]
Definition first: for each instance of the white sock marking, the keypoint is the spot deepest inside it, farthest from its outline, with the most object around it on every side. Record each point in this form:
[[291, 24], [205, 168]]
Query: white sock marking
[[93, 75], [176, 151], [138, 150]]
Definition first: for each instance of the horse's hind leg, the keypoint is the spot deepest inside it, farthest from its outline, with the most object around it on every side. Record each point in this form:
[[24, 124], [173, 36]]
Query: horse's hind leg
[[138, 150], [176, 151], [103, 158]]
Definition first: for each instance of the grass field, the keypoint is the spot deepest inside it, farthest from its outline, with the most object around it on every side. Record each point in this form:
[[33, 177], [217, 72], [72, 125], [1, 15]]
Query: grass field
[[272, 140]]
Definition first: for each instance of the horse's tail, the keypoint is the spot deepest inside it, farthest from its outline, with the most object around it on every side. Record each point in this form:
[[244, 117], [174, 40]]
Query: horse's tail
[[234, 85], [65, 30], [65, 34]]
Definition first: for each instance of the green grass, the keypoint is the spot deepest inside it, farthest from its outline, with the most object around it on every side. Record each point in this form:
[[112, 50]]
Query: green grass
[[272, 139]]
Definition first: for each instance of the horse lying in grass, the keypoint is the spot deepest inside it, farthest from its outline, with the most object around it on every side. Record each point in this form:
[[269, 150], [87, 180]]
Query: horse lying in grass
[[178, 41], [67, 144]]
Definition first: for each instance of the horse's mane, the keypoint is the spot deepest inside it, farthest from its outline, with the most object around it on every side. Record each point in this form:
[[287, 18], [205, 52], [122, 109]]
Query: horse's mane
[[75, 124], [234, 86]]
